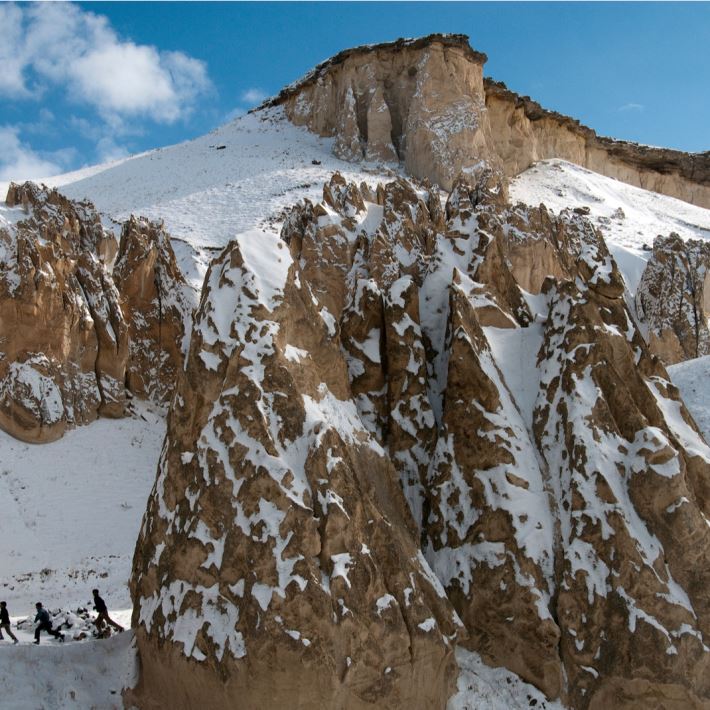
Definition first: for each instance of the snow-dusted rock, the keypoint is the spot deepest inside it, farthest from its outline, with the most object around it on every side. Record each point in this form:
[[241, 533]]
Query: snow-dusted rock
[[63, 337], [629, 476], [471, 375], [157, 303], [673, 298], [75, 331], [278, 563]]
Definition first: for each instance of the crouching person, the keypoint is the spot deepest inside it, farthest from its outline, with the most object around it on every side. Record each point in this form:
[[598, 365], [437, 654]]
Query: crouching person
[[44, 623], [102, 611]]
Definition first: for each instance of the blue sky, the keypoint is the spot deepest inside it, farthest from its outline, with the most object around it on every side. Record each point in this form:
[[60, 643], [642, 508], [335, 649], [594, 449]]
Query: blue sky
[[86, 82]]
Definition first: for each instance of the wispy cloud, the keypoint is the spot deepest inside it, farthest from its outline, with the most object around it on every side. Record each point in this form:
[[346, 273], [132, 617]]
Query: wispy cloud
[[60, 44], [631, 106], [18, 161], [253, 96]]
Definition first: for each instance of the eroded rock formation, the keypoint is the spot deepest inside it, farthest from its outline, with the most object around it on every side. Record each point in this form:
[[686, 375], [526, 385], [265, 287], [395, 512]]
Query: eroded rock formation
[[157, 304], [278, 547], [63, 336], [427, 97], [392, 374], [74, 332], [673, 298]]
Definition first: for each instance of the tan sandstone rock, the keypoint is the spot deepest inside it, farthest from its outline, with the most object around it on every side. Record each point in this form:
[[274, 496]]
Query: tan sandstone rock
[[63, 337], [394, 373], [445, 117], [673, 298], [278, 563], [157, 305]]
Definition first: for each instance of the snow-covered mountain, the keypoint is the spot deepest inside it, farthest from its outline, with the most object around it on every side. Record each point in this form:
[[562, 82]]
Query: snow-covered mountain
[[422, 445]]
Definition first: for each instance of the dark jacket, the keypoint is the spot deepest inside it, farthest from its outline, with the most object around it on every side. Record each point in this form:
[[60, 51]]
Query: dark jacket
[[100, 604], [4, 616], [42, 617]]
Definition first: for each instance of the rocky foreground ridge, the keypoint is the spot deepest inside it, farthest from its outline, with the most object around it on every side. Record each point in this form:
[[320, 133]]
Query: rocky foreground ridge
[[424, 103], [405, 426]]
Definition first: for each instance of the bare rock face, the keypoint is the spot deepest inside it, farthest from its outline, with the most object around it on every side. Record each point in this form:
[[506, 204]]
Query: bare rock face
[[420, 102], [63, 336], [379, 130], [278, 564], [157, 305], [402, 406], [428, 99], [673, 298], [347, 136]]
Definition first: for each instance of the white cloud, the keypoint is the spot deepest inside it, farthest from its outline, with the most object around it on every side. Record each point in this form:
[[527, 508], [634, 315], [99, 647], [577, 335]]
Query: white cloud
[[253, 96], [108, 150], [19, 162], [60, 44], [631, 107]]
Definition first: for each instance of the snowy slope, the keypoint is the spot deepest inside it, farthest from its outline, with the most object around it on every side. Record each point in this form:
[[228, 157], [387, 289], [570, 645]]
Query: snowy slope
[[72, 675], [72, 510], [225, 183], [692, 378], [629, 217]]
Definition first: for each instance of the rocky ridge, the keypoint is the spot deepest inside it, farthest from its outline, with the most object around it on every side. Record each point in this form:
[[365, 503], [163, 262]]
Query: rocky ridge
[[74, 330], [350, 396]]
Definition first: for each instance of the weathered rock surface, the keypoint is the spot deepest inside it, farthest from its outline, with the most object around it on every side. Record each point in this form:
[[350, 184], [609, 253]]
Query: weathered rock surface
[[63, 337], [673, 298], [395, 374], [157, 305], [445, 117], [278, 563], [417, 101], [74, 332]]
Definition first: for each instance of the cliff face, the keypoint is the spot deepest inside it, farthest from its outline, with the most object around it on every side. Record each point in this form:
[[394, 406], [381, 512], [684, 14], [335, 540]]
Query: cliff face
[[420, 102], [157, 304], [523, 132], [673, 298], [393, 376], [425, 104]]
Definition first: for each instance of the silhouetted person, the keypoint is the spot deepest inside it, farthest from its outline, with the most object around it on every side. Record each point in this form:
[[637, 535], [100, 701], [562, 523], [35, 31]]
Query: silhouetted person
[[5, 623], [103, 617], [44, 623]]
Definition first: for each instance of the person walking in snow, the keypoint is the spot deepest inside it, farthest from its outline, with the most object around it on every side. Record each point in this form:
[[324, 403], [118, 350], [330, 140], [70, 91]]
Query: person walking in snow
[[44, 623], [103, 617], [5, 623]]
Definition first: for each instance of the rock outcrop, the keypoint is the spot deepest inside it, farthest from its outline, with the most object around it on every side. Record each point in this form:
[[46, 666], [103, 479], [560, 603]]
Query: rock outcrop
[[157, 304], [74, 332], [278, 563], [673, 298], [442, 117], [396, 375], [420, 102], [63, 336]]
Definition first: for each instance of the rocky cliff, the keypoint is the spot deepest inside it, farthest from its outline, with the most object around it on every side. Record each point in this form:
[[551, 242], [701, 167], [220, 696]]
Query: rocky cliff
[[425, 103], [74, 332], [396, 375]]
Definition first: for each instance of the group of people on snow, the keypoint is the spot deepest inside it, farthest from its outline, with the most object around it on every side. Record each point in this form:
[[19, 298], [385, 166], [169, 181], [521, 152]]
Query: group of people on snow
[[43, 621]]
